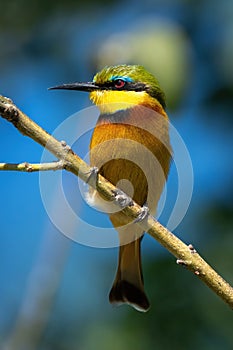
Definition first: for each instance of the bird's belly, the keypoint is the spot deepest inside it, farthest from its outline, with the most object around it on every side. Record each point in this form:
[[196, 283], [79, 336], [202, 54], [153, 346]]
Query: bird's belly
[[128, 158]]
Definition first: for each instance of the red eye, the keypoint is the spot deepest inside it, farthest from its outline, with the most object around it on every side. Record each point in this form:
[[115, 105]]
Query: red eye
[[119, 83]]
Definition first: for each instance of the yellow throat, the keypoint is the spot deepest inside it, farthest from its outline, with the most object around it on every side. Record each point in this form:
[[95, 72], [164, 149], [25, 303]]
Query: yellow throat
[[113, 101]]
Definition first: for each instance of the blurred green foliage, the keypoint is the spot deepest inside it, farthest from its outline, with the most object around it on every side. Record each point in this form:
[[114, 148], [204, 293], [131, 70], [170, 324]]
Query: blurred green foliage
[[23, 14]]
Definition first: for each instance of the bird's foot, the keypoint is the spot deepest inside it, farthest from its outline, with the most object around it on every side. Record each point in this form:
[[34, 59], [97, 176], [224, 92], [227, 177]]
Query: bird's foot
[[143, 213], [93, 172], [122, 199]]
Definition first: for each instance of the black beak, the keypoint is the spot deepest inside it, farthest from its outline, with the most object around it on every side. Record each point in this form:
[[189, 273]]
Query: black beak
[[90, 86]]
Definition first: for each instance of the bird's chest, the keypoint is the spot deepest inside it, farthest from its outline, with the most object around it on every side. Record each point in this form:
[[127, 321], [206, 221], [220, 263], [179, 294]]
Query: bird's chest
[[130, 157]]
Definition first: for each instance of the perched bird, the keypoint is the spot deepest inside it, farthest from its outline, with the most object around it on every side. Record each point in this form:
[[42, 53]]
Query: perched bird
[[130, 146]]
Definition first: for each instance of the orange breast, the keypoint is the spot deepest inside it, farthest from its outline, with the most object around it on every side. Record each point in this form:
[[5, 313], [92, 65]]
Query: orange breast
[[132, 150]]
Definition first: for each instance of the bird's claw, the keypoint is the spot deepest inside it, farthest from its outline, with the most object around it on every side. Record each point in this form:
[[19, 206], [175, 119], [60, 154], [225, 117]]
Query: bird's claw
[[66, 147], [122, 199], [143, 214], [93, 172]]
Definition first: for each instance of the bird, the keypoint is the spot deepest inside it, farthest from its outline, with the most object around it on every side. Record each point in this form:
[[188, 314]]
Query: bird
[[130, 147]]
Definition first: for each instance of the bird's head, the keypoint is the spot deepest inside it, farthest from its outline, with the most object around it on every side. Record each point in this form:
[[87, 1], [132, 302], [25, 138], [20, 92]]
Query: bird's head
[[120, 87]]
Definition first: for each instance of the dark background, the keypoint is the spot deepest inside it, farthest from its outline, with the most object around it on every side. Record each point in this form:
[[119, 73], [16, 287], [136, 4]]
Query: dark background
[[53, 291]]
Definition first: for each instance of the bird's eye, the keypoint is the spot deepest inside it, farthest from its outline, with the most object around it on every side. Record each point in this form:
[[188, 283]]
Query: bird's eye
[[119, 83]]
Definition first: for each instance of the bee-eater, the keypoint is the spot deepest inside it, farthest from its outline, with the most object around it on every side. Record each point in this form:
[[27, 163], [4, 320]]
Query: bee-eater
[[130, 146]]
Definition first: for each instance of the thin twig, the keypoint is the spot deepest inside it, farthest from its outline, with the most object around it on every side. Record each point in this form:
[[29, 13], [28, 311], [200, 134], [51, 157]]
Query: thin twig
[[186, 255], [32, 167]]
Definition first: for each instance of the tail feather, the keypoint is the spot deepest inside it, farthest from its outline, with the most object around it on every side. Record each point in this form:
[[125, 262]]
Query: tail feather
[[128, 285], [124, 292]]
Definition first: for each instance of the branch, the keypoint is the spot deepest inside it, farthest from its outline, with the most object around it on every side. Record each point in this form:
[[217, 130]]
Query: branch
[[29, 167], [186, 255]]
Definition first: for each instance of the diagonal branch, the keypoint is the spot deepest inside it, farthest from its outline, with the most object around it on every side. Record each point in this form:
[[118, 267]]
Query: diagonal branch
[[186, 255]]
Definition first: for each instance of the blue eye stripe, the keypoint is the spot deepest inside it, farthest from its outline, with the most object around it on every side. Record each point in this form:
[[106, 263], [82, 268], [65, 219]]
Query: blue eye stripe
[[126, 79]]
